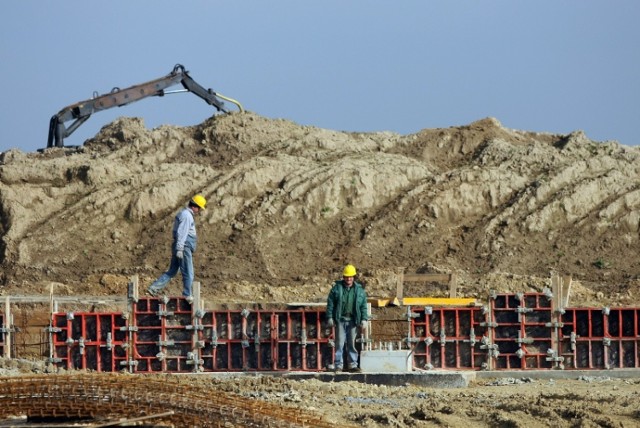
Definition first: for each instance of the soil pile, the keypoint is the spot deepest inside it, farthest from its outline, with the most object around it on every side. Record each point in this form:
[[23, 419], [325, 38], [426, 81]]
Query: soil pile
[[289, 205]]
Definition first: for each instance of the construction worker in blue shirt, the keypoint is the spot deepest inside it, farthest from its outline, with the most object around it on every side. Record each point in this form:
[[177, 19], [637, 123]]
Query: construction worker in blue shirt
[[182, 249], [347, 311]]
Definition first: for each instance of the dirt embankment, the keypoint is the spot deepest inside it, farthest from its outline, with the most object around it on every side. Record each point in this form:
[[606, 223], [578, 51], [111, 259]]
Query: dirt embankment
[[289, 205]]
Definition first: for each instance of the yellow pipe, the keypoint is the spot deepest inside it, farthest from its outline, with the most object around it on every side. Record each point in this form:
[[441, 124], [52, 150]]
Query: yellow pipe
[[231, 100]]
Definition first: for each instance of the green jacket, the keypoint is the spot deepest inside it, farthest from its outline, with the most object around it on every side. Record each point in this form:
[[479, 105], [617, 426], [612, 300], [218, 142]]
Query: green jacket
[[334, 302]]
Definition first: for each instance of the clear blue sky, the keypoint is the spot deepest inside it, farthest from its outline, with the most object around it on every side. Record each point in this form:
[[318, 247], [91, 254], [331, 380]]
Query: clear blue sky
[[402, 66]]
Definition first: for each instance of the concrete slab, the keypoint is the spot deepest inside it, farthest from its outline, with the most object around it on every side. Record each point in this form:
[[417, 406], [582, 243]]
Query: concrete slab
[[439, 379], [560, 374]]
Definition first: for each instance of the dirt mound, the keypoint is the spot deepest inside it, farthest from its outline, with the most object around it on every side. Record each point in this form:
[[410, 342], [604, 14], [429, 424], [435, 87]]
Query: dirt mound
[[289, 205]]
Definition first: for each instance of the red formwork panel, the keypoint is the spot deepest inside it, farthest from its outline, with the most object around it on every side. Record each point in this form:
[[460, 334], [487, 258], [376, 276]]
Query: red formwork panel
[[623, 329], [448, 338], [163, 340], [301, 340], [89, 341], [227, 340], [601, 338], [522, 331], [263, 340]]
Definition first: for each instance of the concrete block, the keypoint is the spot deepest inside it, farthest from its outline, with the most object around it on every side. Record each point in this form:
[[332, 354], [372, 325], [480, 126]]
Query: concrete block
[[383, 361]]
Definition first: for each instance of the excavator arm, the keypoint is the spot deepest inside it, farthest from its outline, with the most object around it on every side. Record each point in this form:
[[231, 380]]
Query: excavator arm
[[81, 111]]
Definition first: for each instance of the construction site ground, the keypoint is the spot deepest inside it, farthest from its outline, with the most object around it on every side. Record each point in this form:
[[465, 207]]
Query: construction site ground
[[290, 205], [508, 399]]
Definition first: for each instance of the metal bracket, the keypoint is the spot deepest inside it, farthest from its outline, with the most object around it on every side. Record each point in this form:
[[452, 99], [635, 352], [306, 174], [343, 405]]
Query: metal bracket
[[489, 324], [303, 339], [525, 340], [472, 338], [129, 328], [194, 327], [443, 339], [165, 342], [555, 324], [552, 356], [109, 341], [164, 313], [52, 329], [192, 359]]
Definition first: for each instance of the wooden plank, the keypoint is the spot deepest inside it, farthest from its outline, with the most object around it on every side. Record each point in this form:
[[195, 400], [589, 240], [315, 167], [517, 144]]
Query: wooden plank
[[427, 277], [310, 304], [439, 301], [556, 292], [136, 288], [400, 283], [566, 290], [453, 286], [378, 303]]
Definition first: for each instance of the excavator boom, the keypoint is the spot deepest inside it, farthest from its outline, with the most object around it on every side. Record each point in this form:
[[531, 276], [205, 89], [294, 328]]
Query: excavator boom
[[81, 111]]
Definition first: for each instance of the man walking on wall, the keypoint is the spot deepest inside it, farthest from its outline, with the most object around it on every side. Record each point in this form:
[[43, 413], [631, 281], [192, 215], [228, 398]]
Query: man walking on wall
[[347, 311], [182, 249]]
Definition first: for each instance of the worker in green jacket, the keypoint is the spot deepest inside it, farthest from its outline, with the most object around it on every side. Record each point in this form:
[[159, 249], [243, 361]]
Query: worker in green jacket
[[347, 310]]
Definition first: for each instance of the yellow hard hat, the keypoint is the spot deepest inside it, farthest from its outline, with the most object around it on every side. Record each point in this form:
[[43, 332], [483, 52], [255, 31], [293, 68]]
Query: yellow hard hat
[[349, 270], [199, 200]]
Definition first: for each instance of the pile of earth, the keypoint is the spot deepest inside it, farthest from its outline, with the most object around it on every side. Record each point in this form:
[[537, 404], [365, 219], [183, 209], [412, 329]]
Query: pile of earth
[[290, 205]]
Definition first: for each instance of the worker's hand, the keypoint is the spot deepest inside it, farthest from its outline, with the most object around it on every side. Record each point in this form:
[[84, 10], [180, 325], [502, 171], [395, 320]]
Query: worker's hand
[[179, 254], [363, 324], [331, 322]]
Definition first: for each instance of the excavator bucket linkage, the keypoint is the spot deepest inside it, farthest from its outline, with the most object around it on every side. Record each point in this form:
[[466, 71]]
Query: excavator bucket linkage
[[81, 111]]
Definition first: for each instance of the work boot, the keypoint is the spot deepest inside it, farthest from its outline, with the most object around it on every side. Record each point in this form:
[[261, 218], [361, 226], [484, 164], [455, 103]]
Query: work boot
[[334, 368], [153, 293], [189, 299], [355, 370]]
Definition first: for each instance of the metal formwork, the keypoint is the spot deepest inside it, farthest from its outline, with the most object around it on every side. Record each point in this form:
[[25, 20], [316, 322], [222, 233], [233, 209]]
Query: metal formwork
[[265, 340], [601, 338], [163, 335], [522, 331], [448, 338], [88, 340], [169, 334]]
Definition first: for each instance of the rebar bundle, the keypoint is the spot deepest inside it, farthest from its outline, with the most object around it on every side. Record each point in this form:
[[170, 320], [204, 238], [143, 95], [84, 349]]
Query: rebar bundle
[[103, 397]]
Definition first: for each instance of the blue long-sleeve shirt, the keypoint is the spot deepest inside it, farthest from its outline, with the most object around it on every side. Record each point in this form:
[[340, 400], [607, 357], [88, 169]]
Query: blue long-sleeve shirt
[[183, 226]]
